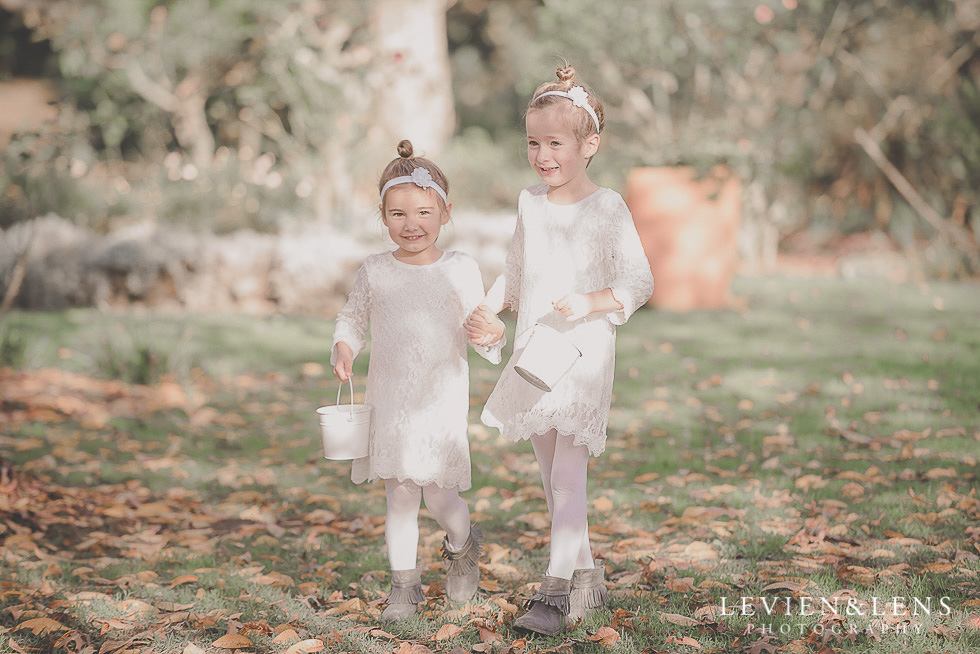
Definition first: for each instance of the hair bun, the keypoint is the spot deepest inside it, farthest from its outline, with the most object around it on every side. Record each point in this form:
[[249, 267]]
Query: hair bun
[[405, 149], [565, 74]]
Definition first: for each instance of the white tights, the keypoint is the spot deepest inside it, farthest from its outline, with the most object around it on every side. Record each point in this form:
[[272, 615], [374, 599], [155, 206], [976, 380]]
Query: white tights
[[402, 519], [564, 470]]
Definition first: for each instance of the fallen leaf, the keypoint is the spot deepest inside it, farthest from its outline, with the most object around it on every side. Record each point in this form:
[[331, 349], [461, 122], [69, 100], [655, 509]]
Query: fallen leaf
[[681, 584], [40, 626], [603, 505], [306, 646], [810, 482], [761, 645], [487, 636], [785, 585], [684, 640], [700, 551], [605, 636], [448, 632], [678, 619], [939, 567], [183, 579], [412, 648], [232, 641]]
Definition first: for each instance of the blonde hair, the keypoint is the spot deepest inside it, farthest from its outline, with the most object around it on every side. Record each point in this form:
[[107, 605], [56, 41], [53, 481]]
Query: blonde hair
[[405, 164], [578, 119]]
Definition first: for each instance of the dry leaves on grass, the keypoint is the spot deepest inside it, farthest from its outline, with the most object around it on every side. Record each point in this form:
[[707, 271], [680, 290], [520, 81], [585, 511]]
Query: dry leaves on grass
[[126, 522]]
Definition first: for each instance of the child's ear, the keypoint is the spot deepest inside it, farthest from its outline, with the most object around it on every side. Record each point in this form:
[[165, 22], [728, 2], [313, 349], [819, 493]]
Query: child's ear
[[447, 214], [591, 146], [381, 208]]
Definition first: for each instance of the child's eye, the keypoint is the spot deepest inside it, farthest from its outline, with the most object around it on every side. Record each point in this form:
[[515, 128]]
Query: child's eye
[[532, 144], [555, 144]]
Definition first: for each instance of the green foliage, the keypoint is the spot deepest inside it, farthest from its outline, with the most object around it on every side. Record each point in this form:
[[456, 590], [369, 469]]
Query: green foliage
[[773, 90], [263, 108], [45, 173], [247, 95], [144, 353], [12, 346]]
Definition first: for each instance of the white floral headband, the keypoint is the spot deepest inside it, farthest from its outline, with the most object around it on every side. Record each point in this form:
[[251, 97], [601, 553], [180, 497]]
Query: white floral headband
[[579, 97], [421, 177]]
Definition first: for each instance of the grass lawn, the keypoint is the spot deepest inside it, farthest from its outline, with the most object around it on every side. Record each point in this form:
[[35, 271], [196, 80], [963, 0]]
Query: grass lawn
[[817, 448]]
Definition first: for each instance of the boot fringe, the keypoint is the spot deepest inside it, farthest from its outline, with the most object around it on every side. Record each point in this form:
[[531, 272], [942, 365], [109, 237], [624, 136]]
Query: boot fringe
[[593, 597], [463, 562], [553, 592], [406, 594]]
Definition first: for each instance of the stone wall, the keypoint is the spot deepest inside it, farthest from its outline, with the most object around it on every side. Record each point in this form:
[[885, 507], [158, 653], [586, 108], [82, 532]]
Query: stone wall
[[307, 269]]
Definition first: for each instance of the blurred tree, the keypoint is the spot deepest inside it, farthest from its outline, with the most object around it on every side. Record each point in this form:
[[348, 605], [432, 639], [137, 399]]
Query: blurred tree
[[265, 105], [777, 90], [413, 89], [859, 115]]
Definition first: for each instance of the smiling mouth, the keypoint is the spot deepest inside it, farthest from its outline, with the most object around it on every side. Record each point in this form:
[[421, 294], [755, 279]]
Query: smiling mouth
[[413, 237]]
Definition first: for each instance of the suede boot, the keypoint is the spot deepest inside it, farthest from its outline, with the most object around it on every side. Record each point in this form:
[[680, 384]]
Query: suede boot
[[405, 595], [547, 607], [463, 567], [588, 592]]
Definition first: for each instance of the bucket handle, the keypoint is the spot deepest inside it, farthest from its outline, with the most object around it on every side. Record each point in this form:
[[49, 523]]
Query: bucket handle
[[350, 385]]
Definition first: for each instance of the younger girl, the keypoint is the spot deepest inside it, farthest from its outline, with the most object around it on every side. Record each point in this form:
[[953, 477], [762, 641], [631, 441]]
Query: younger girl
[[575, 264], [416, 300]]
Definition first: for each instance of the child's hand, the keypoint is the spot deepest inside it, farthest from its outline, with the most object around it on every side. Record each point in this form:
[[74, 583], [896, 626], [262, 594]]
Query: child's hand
[[344, 368], [483, 327], [574, 306]]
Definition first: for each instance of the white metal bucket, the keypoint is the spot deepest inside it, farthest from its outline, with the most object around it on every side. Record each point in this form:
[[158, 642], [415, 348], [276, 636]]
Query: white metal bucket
[[345, 430], [546, 358]]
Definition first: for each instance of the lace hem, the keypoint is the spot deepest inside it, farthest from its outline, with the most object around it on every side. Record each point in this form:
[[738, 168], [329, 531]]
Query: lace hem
[[590, 432], [443, 481]]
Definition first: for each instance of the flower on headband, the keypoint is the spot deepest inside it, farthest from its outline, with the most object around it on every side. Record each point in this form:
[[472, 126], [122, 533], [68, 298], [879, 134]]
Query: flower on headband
[[422, 178], [578, 96]]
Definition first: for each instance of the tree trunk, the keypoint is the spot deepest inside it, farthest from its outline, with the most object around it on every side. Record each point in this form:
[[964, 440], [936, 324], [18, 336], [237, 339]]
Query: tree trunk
[[13, 288], [413, 94]]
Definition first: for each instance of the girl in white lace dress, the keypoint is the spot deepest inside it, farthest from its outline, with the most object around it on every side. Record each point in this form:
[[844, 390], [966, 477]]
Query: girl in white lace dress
[[415, 301], [575, 264]]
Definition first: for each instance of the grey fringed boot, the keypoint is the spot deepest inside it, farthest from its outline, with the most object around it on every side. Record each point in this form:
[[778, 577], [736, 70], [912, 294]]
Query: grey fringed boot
[[463, 567], [406, 593], [548, 607], [588, 592]]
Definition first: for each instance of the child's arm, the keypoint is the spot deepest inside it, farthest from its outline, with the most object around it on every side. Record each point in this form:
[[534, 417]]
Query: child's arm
[[494, 300], [350, 332], [629, 271], [575, 306], [344, 356], [632, 284], [484, 329], [504, 292]]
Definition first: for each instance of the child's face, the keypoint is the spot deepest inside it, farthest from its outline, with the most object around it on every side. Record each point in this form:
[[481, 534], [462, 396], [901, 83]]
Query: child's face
[[553, 150], [414, 217]]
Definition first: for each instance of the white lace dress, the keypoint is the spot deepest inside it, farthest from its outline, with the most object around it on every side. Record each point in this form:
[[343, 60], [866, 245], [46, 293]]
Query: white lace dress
[[559, 249], [418, 376]]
